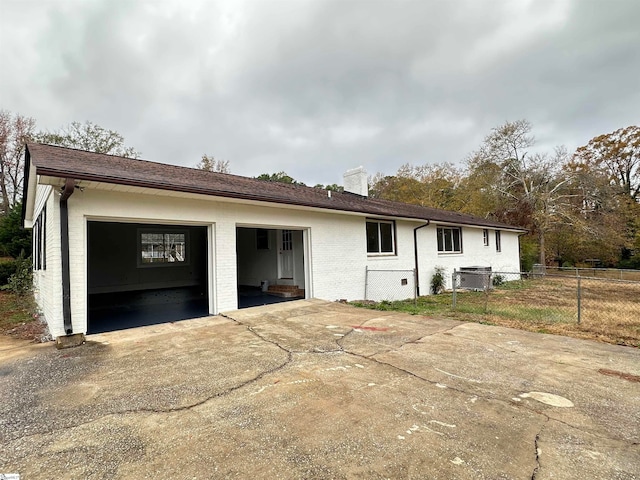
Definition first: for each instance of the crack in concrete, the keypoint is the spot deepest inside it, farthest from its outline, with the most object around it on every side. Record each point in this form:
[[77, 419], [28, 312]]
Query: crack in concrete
[[341, 349], [227, 391], [412, 374], [391, 348], [163, 410], [537, 450], [495, 399]]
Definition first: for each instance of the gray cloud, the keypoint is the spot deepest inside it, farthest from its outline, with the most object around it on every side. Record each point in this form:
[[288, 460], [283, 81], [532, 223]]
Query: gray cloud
[[316, 87]]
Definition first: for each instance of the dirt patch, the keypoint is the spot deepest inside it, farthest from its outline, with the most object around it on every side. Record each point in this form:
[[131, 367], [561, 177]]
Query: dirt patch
[[624, 376], [35, 331], [369, 329], [17, 319]]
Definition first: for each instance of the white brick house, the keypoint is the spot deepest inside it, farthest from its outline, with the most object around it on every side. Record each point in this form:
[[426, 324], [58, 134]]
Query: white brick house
[[114, 229]]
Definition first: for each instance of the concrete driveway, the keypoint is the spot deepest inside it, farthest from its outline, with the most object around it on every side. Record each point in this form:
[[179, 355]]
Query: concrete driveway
[[311, 389]]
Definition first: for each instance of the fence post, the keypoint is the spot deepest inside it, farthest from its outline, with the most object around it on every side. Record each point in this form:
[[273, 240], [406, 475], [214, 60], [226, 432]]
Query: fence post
[[366, 281], [487, 285], [453, 283], [579, 301]]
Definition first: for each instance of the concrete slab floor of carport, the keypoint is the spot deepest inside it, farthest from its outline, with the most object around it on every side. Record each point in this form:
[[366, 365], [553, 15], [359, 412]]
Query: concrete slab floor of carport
[[312, 389]]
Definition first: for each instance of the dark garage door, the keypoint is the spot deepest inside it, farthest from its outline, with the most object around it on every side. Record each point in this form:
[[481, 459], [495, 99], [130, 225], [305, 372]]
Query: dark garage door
[[141, 274]]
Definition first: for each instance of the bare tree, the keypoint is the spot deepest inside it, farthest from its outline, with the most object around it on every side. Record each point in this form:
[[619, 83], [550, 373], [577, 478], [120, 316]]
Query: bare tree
[[90, 137], [15, 130], [210, 164], [535, 184]]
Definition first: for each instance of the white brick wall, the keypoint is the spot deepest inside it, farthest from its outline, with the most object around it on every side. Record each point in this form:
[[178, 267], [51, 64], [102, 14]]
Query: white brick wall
[[336, 258], [475, 253], [48, 283]]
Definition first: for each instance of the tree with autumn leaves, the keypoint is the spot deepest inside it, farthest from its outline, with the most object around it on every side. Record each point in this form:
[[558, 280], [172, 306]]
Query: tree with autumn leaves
[[575, 207]]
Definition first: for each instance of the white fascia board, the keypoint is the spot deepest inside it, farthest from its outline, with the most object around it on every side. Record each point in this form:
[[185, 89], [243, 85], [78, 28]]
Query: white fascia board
[[472, 225], [30, 201]]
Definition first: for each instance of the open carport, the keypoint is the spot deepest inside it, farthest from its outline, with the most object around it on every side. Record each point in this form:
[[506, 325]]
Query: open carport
[[312, 389]]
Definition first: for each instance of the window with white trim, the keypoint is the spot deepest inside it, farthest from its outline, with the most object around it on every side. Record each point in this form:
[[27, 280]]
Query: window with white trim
[[449, 239], [158, 248], [498, 241], [380, 237], [485, 236]]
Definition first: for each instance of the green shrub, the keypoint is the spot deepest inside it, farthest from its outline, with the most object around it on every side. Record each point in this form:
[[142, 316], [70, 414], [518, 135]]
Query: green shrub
[[437, 281], [7, 268], [632, 263], [13, 238], [21, 282], [498, 280], [528, 252]]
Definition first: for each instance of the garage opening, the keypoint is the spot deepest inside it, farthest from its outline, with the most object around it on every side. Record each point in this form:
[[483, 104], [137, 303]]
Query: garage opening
[[271, 266], [142, 274]]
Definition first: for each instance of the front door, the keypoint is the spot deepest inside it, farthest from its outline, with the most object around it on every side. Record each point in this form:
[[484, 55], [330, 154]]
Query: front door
[[285, 254]]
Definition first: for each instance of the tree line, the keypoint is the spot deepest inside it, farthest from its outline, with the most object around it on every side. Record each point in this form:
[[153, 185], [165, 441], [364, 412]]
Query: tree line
[[579, 208]]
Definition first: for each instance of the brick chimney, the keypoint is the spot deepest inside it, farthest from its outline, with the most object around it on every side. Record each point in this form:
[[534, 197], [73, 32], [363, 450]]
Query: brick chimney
[[355, 181]]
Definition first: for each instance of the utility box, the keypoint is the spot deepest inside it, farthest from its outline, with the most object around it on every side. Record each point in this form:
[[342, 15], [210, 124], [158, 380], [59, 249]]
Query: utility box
[[475, 278], [538, 270]]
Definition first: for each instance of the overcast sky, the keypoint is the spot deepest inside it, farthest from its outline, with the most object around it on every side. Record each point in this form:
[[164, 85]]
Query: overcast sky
[[317, 87]]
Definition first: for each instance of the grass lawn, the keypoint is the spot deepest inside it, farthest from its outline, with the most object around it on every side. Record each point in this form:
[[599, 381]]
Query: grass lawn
[[610, 311]]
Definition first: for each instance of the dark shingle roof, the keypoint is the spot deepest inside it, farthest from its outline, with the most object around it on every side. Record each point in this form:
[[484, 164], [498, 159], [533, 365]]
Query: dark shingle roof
[[63, 162]]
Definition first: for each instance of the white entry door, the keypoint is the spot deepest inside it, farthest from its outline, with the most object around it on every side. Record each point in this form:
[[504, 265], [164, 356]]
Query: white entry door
[[285, 254]]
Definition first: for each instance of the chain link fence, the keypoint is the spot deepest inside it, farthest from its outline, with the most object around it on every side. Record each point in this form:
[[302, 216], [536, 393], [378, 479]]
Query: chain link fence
[[609, 305], [390, 285], [611, 273]]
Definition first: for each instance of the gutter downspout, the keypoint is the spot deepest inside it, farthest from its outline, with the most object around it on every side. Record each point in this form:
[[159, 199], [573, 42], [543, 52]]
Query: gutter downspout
[[69, 186], [415, 251]]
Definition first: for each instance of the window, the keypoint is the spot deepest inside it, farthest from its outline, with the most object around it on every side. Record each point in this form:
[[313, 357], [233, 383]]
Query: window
[[449, 240], [40, 241], [485, 236], [162, 248], [380, 237], [287, 240], [262, 239], [498, 241]]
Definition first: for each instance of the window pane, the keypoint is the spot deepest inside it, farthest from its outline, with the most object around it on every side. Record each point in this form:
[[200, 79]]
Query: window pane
[[152, 247], [448, 240], [174, 247], [262, 239], [386, 237], [440, 240], [457, 247], [372, 237], [498, 240], [162, 247]]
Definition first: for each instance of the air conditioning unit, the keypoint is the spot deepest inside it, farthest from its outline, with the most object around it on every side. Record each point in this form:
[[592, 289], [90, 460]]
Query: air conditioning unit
[[475, 278]]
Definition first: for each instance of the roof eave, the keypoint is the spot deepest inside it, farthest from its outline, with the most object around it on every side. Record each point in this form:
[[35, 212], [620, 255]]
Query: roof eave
[[29, 187], [166, 186]]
